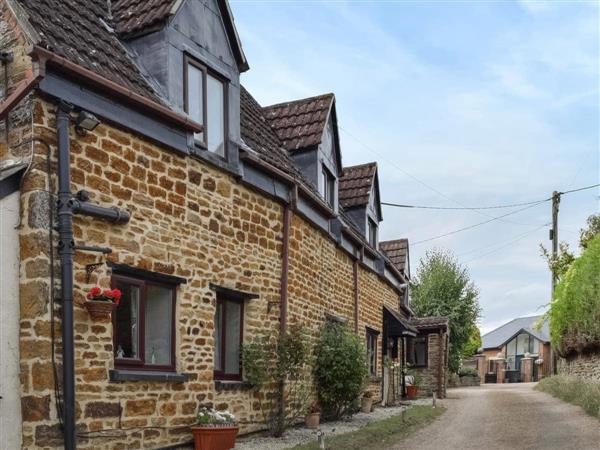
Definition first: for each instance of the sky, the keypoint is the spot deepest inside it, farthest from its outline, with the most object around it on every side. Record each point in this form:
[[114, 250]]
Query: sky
[[461, 104]]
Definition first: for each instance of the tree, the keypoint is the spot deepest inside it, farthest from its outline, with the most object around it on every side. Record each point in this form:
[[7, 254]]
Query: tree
[[442, 287], [575, 309], [565, 257], [473, 344]]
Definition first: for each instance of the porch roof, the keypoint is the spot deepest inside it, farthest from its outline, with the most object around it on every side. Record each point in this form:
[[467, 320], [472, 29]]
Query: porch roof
[[396, 325]]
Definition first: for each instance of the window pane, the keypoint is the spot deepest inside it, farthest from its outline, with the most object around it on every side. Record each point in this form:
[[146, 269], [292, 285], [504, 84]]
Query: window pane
[[216, 117], [127, 330], [511, 348], [159, 306], [217, 335], [522, 344], [232, 337], [194, 97], [420, 352], [536, 346]]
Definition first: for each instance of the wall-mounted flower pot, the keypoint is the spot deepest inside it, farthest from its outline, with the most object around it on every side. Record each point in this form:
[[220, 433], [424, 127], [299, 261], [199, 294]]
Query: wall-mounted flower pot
[[99, 310], [214, 438], [312, 420], [366, 404], [412, 391]]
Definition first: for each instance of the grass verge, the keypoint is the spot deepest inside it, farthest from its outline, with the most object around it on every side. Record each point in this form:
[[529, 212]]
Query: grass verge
[[574, 390], [382, 433]]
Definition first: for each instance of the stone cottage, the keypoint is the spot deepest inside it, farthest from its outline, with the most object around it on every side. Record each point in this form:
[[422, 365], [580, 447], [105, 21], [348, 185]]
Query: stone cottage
[[133, 158]]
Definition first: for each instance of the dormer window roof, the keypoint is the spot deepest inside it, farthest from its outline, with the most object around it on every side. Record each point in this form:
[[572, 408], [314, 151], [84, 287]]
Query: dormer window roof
[[357, 185], [299, 124], [397, 252]]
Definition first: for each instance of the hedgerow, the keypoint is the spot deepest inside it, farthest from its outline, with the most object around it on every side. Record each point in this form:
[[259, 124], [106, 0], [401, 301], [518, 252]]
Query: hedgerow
[[575, 310]]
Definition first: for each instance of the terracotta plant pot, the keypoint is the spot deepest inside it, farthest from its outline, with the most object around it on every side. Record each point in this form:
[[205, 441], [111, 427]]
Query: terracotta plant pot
[[366, 404], [99, 310], [412, 391], [214, 438], [312, 420]]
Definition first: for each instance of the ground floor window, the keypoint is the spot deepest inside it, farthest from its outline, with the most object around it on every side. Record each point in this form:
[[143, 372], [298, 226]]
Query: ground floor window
[[416, 353], [144, 324], [372, 351], [229, 325]]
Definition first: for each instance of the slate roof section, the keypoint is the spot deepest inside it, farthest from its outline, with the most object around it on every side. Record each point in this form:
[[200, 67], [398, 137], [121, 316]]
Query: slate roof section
[[425, 323], [299, 124], [132, 16], [397, 252], [355, 184], [79, 31], [501, 335]]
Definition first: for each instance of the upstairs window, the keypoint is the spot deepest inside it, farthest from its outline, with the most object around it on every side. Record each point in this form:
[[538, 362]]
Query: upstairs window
[[328, 186], [372, 233], [205, 95], [416, 353], [229, 325], [372, 351], [144, 324]]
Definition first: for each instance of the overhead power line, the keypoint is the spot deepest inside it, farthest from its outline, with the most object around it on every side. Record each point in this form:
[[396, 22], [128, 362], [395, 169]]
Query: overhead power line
[[476, 224], [471, 208]]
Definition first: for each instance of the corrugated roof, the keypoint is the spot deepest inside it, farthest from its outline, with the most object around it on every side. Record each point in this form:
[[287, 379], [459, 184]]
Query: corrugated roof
[[397, 252], [300, 123], [356, 183], [501, 335]]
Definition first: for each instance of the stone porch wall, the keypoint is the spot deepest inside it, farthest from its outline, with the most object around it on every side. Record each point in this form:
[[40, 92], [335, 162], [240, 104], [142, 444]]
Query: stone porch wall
[[431, 374]]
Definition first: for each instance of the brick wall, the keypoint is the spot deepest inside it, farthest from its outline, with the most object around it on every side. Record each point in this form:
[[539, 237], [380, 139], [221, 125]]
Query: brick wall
[[431, 376], [583, 366], [188, 220]]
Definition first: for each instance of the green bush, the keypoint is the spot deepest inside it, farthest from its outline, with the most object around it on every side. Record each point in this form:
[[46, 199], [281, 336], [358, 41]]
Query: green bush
[[574, 390], [575, 310], [468, 371], [340, 369], [280, 364]]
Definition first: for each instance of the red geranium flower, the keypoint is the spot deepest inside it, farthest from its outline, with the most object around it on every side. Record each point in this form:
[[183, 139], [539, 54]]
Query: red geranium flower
[[95, 291], [107, 293], [116, 293]]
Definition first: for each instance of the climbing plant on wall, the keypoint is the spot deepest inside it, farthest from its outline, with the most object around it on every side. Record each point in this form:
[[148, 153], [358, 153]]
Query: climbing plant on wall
[[575, 309]]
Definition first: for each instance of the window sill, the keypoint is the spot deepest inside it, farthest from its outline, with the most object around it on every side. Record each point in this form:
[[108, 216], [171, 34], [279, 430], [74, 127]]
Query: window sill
[[117, 375], [225, 385]]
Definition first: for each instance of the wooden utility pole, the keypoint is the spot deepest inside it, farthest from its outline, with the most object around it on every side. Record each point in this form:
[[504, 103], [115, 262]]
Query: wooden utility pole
[[554, 234]]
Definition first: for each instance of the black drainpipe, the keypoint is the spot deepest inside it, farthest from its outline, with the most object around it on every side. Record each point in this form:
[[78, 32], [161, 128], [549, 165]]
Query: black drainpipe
[[66, 207], [66, 249]]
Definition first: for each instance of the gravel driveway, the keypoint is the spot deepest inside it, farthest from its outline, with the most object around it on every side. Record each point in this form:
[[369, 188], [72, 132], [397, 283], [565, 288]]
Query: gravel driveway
[[506, 417]]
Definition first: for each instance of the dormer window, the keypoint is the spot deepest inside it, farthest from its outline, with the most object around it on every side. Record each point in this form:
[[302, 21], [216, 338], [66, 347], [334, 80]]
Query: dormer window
[[205, 95], [328, 186], [372, 233]]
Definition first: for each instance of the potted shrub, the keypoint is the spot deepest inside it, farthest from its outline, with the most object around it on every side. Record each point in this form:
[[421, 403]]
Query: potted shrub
[[313, 416], [366, 403], [216, 430], [413, 381], [101, 303]]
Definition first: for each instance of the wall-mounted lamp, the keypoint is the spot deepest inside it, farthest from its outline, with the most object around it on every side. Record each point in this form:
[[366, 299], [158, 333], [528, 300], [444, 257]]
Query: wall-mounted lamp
[[85, 122]]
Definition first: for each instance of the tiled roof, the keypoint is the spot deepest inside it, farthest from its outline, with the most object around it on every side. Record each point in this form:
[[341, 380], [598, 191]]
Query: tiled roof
[[79, 31], [422, 323], [498, 337], [260, 137], [355, 184], [397, 252], [131, 16], [300, 124]]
